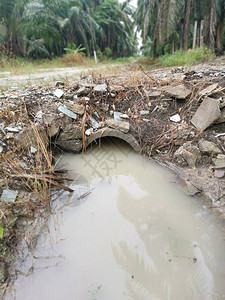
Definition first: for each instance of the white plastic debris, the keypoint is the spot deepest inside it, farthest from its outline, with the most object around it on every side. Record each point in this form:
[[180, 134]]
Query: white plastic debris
[[94, 122], [9, 195], [144, 112], [89, 131], [58, 93], [39, 114], [12, 129], [100, 88], [117, 115], [96, 114], [67, 112], [33, 149], [124, 116], [219, 134], [175, 118]]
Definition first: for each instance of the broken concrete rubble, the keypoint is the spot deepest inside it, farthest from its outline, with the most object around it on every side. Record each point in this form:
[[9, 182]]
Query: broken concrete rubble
[[219, 161], [221, 119], [189, 157], [100, 88], [120, 125], [208, 147], [58, 93], [70, 145], [76, 108], [207, 91], [66, 111], [70, 132], [206, 114], [153, 95], [178, 92]]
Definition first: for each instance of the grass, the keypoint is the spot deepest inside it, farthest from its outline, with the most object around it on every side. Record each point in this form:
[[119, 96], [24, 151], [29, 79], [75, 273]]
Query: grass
[[179, 58], [190, 57], [23, 66]]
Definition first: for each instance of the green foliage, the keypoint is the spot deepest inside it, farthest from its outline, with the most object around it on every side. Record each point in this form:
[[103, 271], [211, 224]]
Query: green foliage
[[47, 28], [72, 48], [1, 232], [108, 52], [189, 57], [170, 24], [100, 55]]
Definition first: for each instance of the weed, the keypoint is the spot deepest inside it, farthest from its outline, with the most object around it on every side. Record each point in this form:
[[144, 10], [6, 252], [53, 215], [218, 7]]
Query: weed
[[179, 58], [189, 57]]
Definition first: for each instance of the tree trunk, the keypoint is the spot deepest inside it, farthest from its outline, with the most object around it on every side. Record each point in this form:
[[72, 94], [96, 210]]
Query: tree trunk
[[186, 23], [219, 34], [212, 29]]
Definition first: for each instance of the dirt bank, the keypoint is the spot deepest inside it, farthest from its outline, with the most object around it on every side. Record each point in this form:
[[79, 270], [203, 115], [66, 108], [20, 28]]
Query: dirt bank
[[176, 116]]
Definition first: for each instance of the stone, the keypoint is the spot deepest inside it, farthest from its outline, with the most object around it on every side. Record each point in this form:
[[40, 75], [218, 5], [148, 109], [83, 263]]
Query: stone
[[191, 190], [153, 95], [101, 88], [58, 93], [120, 125], [70, 145], [178, 92], [193, 149], [104, 107], [221, 119], [219, 161], [68, 96], [83, 91], [208, 90], [70, 132], [53, 130], [58, 83], [189, 157], [76, 108], [9, 195], [206, 114], [207, 147], [3, 272], [219, 173], [181, 133]]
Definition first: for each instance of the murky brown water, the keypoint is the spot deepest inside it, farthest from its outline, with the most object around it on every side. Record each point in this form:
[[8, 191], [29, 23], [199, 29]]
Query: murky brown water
[[135, 236]]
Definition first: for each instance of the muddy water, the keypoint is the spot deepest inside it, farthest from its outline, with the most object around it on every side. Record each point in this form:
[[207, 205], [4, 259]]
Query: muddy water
[[134, 236]]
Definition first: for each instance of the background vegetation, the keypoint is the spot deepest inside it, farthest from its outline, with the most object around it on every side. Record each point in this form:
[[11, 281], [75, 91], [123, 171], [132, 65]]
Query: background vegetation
[[37, 29]]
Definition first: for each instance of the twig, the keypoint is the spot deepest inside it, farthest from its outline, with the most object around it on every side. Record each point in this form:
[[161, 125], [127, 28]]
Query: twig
[[42, 178]]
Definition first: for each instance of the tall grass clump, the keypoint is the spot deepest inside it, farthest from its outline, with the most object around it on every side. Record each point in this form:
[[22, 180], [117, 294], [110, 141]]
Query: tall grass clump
[[189, 57]]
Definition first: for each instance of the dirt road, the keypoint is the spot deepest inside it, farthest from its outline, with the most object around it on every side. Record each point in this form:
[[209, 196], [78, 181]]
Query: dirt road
[[8, 79]]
